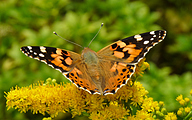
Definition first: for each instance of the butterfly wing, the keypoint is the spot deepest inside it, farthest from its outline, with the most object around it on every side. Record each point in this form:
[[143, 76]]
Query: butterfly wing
[[67, 62], [124, 55], [132, 49], [59, 59], [115, 75]]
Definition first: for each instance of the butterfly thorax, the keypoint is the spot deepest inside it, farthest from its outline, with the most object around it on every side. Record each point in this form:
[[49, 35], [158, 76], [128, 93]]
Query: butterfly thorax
[[91, 61], [89, 57]]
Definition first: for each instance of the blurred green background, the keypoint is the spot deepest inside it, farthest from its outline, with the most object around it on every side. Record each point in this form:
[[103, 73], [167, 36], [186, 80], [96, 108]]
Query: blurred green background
[[31, 22]]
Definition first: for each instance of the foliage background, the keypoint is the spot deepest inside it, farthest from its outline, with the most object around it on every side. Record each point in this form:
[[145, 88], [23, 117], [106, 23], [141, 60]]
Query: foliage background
[[32, 23]]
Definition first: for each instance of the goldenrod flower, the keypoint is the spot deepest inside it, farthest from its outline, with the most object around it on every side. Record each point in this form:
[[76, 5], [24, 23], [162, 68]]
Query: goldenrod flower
[[149, 105], [49, 118], [187, 100], [184, 112], [182, 102], [170, 116], [113, 111], [141, 115], [180, 112], [179, 98], [187, 109], [161, 103]]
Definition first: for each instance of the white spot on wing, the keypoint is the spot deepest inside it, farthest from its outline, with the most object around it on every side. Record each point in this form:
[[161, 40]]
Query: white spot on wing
[[42, 49], [152, 32], [29, 47], [152, 39], [146, 42], [41, 55], [36, 58], [138, 37]]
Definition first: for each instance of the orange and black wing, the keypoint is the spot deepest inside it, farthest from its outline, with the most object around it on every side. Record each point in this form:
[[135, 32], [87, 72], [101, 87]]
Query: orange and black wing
[[124, 55]]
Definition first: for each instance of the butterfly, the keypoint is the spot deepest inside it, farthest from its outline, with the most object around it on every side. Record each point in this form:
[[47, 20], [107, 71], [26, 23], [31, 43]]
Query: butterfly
[[102, 72]]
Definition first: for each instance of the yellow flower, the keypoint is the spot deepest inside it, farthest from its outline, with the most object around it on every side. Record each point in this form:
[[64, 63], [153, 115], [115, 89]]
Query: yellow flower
[[138, 93], [48, 118], [187, 109], [161, 103], [187, 100], [141, 115], [179, 98], [141, 66], [191, 92], [170, 116], [180, 112], [113, 111], [182, 102], [149, 105]]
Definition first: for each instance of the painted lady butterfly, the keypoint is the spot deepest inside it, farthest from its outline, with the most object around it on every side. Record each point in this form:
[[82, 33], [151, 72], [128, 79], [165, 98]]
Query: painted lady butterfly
[[102, 72]]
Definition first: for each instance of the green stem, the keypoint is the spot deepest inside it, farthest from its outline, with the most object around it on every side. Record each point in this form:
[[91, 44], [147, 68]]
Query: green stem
[[187, 117]]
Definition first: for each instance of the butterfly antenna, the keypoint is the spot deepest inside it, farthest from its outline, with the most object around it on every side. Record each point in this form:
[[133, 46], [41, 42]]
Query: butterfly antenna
[[96, 34], [67, 40]]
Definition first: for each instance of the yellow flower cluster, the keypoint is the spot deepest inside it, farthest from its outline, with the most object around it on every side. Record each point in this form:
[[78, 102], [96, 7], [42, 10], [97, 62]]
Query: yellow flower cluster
[[170, 116], [185, 111], [55, 98]]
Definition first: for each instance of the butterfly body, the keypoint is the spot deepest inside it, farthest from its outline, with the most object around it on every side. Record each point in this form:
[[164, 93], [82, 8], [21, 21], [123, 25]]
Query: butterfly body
[[94, 71], [102, 72]]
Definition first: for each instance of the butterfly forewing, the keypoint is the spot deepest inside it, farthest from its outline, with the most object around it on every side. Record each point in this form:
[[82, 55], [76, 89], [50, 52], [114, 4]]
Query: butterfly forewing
[[132, 49], [59, 59]]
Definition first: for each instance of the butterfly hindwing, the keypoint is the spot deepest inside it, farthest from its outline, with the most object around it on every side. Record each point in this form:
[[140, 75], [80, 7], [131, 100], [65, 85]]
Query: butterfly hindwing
[[81, 79], [121, 73]]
